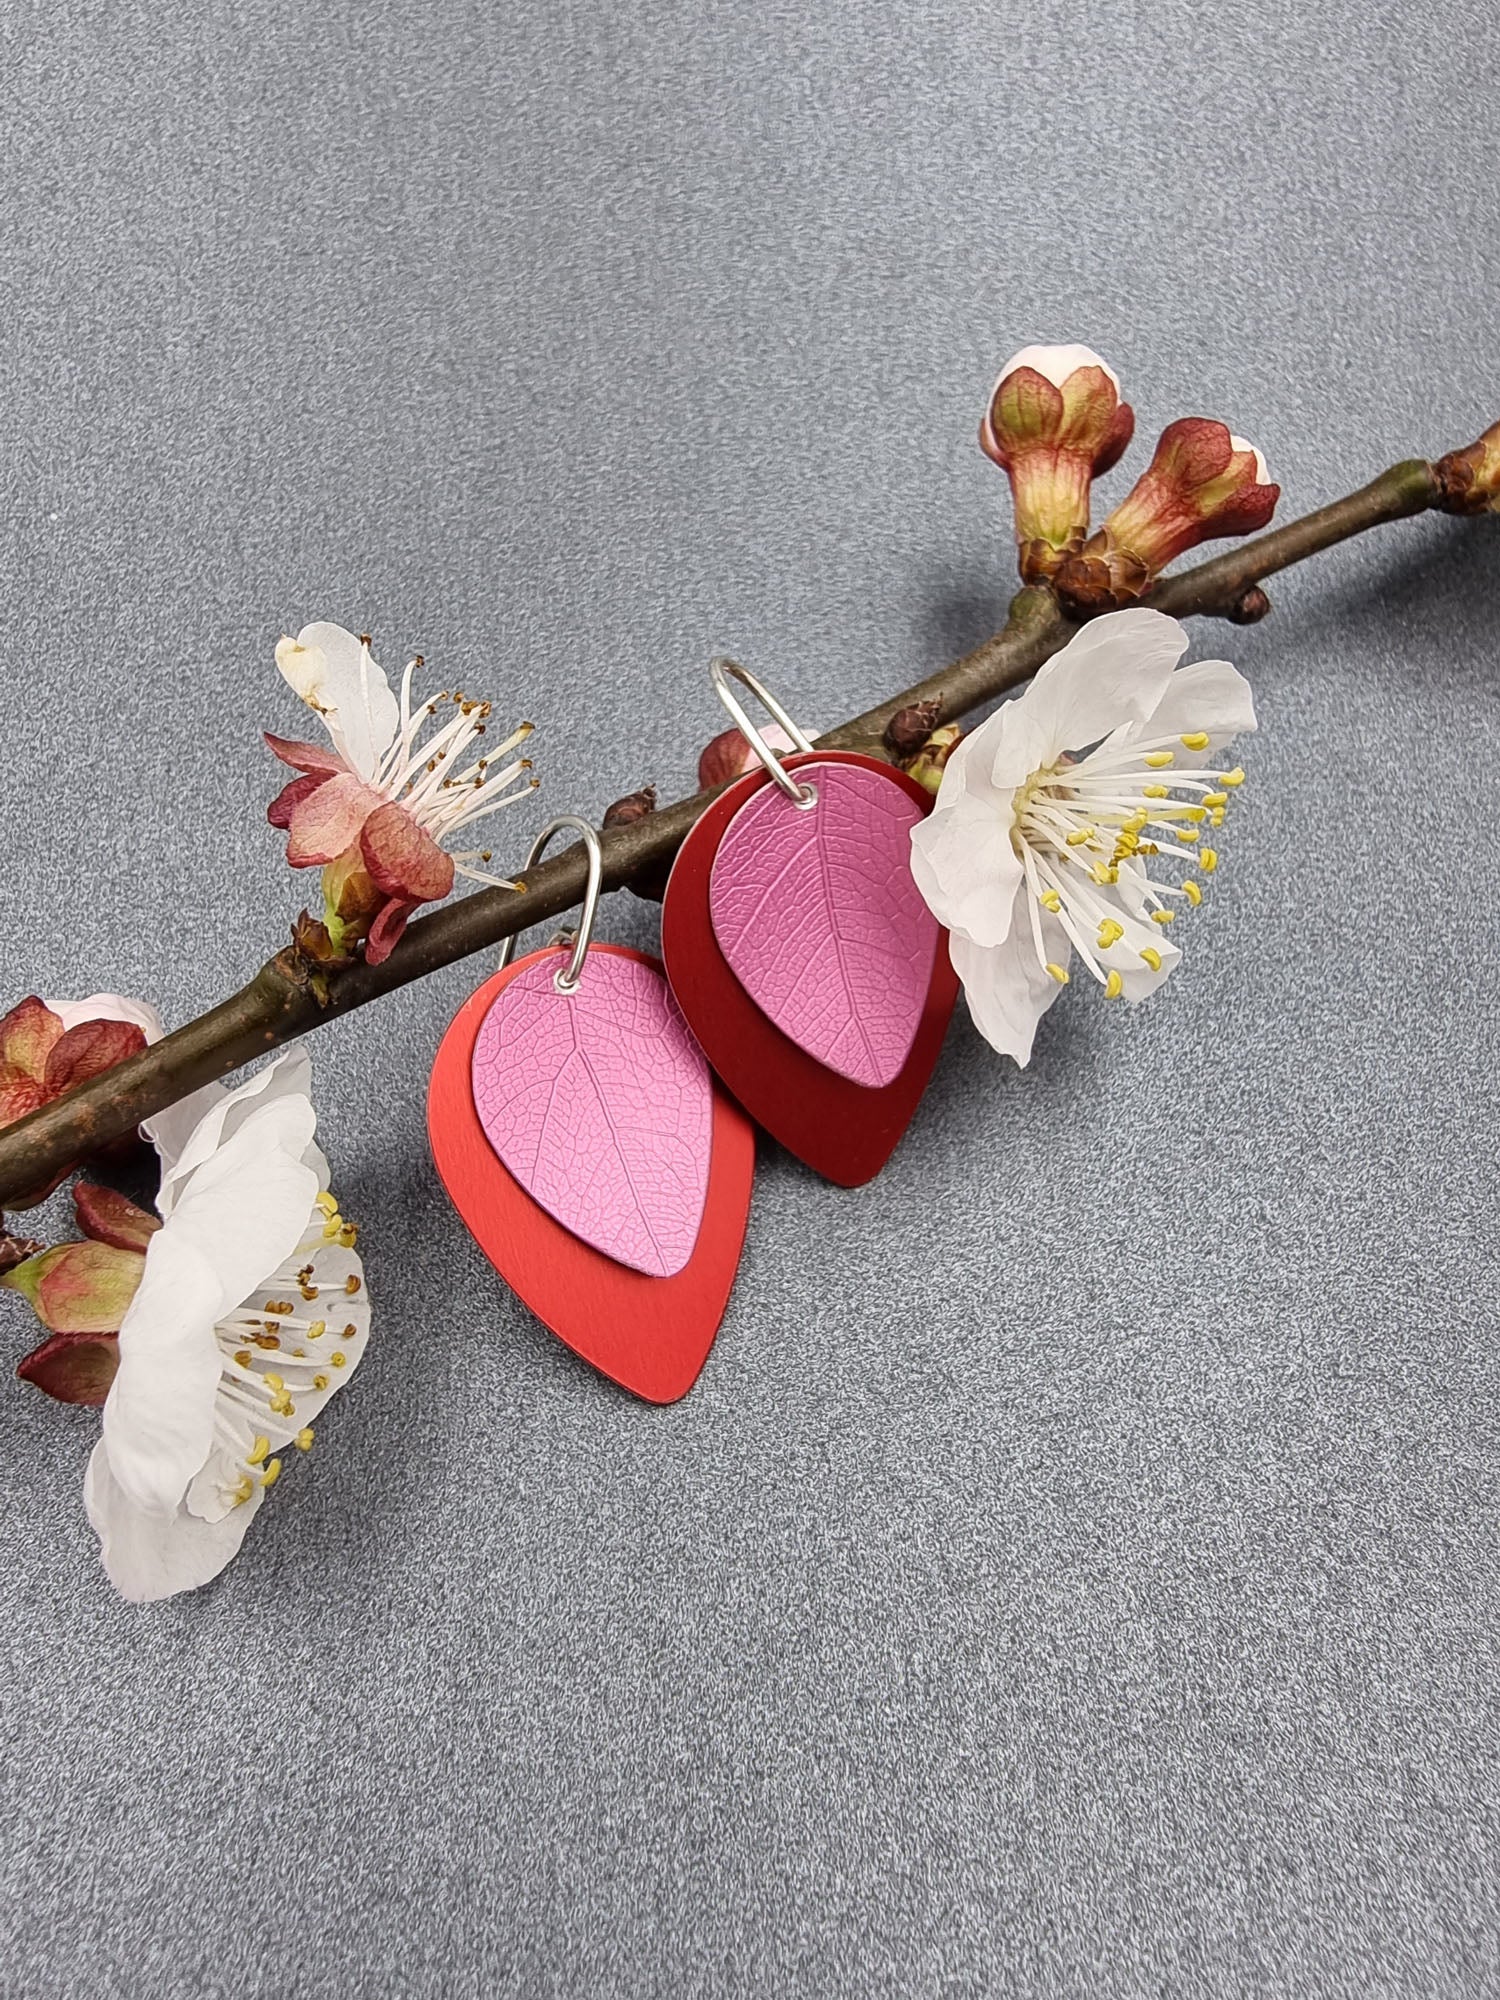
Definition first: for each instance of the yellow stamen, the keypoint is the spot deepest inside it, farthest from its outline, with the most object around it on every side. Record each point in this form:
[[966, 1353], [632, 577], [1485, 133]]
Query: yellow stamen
[[1233, 778], [242, 1357], [1059, 973], [1114, 986], [1188, 833], [1157, 759], [1216, 798], [1208, 859], [1080, 835], [327, 1203], [317, 1330], [272, 1473], [1198, 740], [303, 1439], [243, 1491], [282, 1405], [1193, 893], [320, 1381], [257, 1451], [1155, 792], [1152, 957], [1163, 916], [1110, 933], [1050, 900], [273, 1381]]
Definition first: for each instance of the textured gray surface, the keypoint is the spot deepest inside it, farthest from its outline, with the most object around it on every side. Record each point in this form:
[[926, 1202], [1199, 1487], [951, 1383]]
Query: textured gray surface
[[1076, 1572]]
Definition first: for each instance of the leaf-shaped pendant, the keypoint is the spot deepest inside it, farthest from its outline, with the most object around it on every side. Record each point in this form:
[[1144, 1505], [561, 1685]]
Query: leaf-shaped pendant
[[844, 1130], [596, 1163], [599, 1102], [815, 908]]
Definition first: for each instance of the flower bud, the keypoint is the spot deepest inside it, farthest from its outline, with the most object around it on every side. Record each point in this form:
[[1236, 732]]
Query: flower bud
[[910, 727], [931, 760], [1055, 422], [78, 1287], [1203, 483], [1470, 479], [16, 1249], [634, 806], [730, 756]]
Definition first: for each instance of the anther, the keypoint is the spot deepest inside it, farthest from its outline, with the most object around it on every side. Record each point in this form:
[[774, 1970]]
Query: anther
[[1114, 986], [1157, 759], [1198, 740], [1163, 916], [1152, 957], [1193, 893], [257, 1451], [1233, 778], [1059, 973], [1208, 859]]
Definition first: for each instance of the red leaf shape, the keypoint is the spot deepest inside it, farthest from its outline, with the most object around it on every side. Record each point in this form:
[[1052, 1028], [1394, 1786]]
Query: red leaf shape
[[108, 1217], [27, 1034], [73, 1367], [304, 756], [88, 1050], [329, 820], [403, 858], [279, 811]]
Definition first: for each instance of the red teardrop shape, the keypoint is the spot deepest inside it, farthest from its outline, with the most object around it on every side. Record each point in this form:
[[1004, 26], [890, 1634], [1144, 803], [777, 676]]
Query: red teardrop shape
[[844, 1130], [650, 1334]]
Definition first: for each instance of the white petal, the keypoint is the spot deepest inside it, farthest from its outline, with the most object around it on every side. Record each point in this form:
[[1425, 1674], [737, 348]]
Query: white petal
[[1208, 695], [109, 1007], [1007, 990], [159, 1415], [1262, 475], [332, 672], [963, 862], [189, 1132], [245, 1210], [1057, 363], [1115, 671], [149, 1555]]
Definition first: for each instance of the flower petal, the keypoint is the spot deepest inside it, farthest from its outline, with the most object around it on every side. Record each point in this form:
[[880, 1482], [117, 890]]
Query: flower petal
[[73, 1367], [111, 1007], [335, 675], [149, 1556], [27, 1034], [279, 811], [403, 858], [1207, 696], [245, 1208], [78, 1287], [159, 1419], [325, 822], [1006, 989], [1114, 671], [20, 1093], [309, 757], [188, 1132], [964, 863]]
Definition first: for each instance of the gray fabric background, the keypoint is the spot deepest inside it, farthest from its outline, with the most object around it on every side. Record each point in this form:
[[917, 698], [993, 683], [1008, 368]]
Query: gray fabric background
[[1075, 1573]]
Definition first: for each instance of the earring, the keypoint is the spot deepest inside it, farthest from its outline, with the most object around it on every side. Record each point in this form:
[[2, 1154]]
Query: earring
[[581, 1136], [800, 950]]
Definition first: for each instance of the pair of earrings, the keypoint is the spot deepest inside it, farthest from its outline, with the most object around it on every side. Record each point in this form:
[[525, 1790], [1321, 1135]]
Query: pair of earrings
[[588, 1106]]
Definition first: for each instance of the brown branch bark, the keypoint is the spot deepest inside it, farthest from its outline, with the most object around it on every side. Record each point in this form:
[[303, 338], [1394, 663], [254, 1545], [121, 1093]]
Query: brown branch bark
[[279, 1003]]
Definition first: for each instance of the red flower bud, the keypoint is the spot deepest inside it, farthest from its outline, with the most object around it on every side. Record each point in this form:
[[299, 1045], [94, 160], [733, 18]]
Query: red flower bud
[[1055, 422], [79, 1287], [1203, 483]]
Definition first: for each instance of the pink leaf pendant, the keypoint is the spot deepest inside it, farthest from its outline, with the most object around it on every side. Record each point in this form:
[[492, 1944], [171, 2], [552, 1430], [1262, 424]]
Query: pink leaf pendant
[[599, 1102], [817, 915]]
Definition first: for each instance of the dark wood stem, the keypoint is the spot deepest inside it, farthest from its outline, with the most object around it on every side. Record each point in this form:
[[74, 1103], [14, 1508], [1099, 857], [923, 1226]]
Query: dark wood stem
[[280, 1002]]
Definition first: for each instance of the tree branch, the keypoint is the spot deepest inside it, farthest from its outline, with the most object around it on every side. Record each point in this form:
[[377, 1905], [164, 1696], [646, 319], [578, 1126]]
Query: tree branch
[[280, 1002]]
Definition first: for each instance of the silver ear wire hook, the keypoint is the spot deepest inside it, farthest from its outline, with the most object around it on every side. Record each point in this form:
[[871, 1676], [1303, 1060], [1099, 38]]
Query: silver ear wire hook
[[567, 979], [723, 671]]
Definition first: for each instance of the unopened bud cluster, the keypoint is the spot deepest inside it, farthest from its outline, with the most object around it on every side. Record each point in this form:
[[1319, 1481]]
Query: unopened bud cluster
[[1055, 422]]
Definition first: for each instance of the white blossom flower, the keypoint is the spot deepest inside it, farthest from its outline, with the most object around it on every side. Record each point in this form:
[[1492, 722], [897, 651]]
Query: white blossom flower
[[1051, 810], [378, 810], [250, 1314], [109, 1007]]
